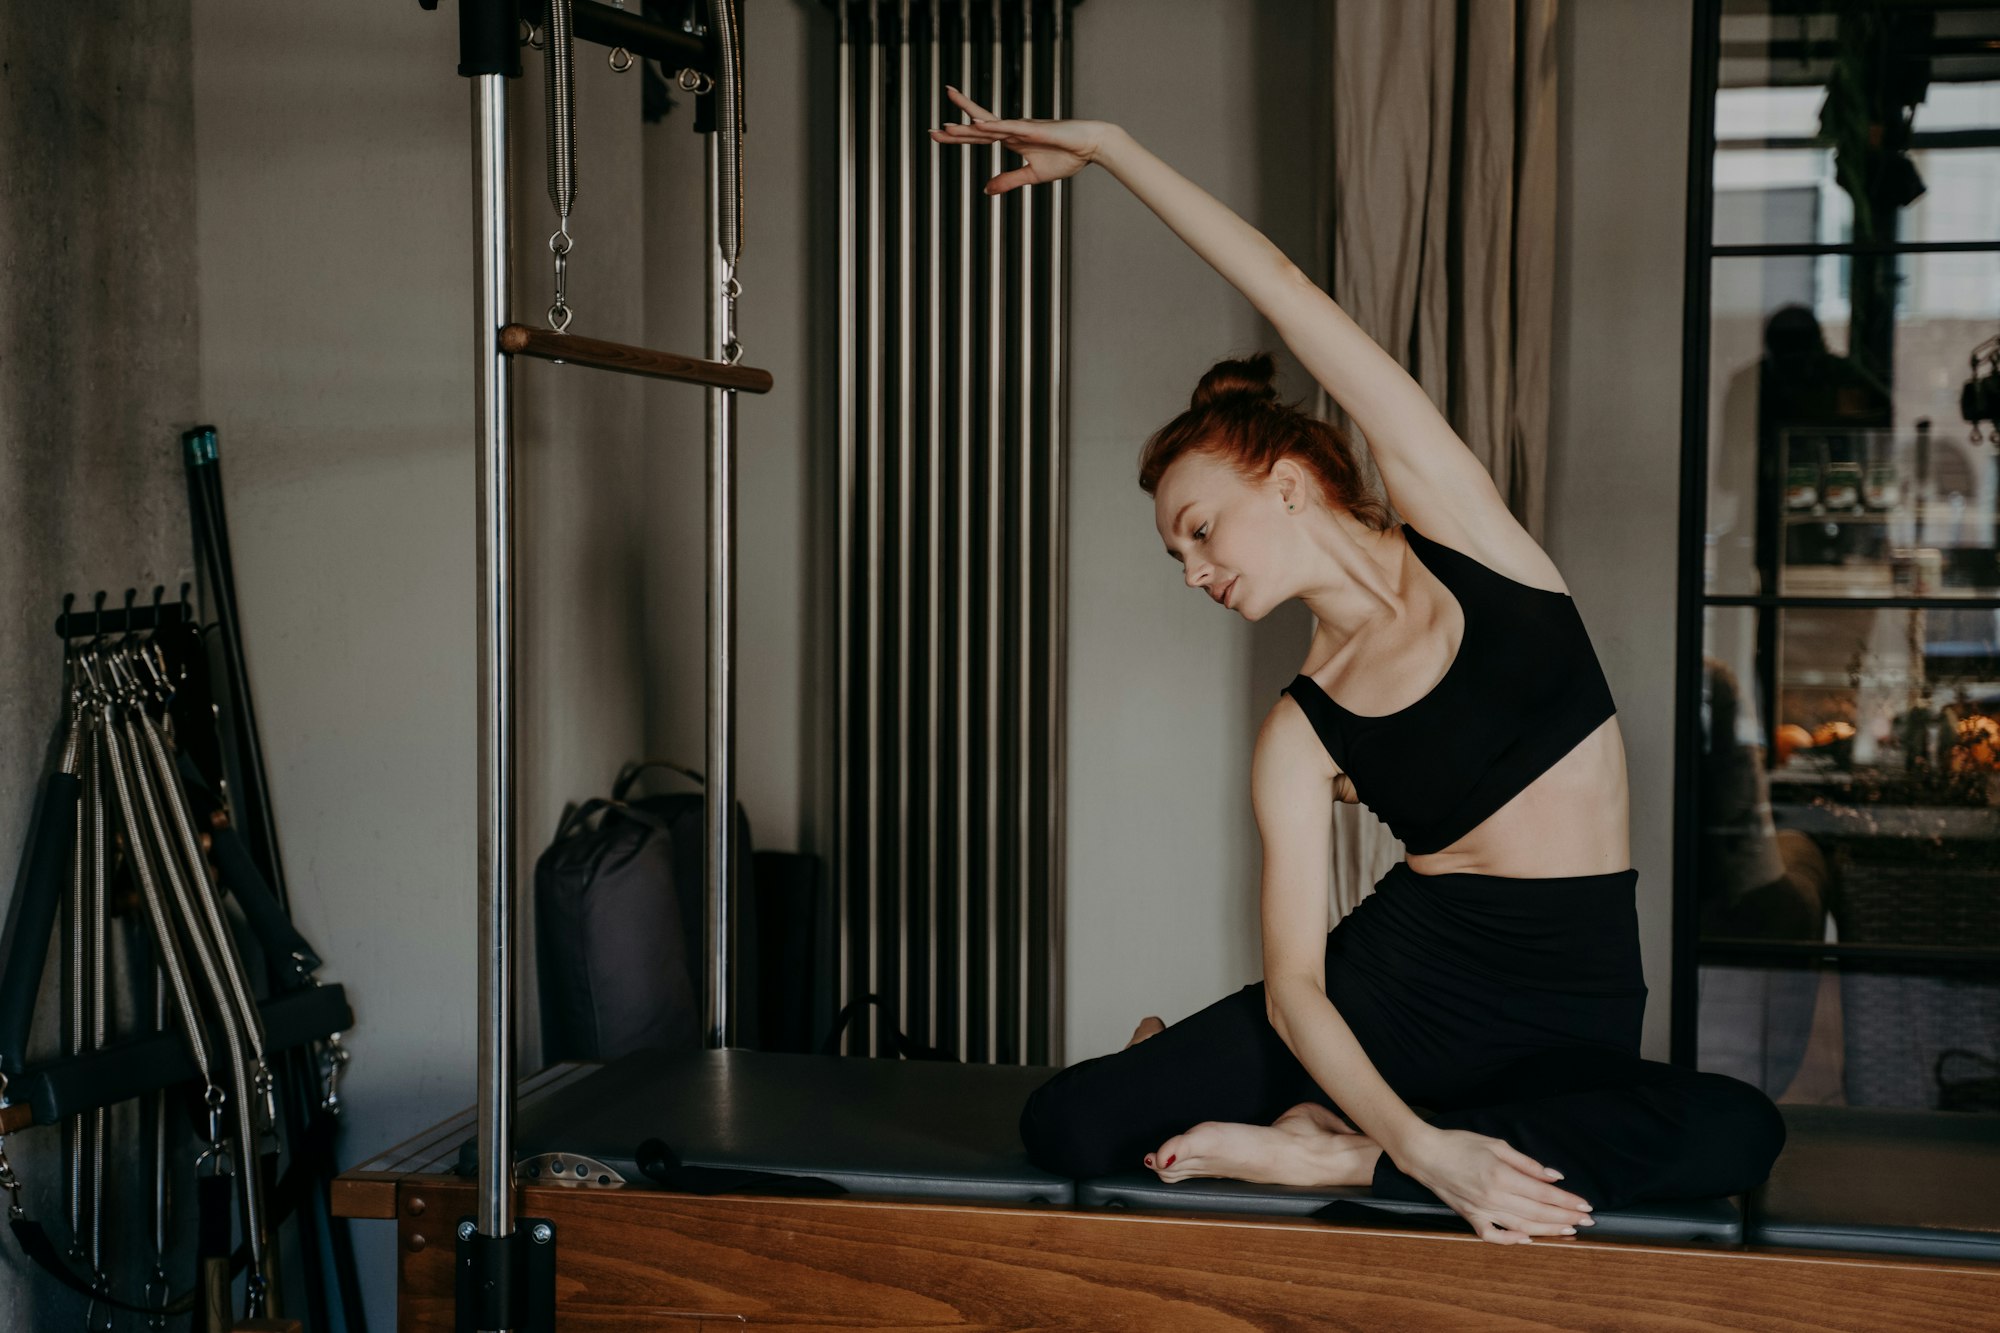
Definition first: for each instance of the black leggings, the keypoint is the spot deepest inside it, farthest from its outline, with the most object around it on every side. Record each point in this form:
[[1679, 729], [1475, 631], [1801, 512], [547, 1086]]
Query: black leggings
[[1508, 1007]]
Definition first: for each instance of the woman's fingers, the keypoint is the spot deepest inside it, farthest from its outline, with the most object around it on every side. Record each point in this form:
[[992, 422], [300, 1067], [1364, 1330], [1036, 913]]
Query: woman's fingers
[[1513, 1156], [1530, 1225], [1541, 1218], [1499, 1236], [1008, 180], [968, 134], [1541, 1190], [972, 108], [991, 131]]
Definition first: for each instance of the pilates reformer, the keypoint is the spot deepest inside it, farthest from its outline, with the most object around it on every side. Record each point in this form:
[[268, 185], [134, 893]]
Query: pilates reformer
[[743, 1186]]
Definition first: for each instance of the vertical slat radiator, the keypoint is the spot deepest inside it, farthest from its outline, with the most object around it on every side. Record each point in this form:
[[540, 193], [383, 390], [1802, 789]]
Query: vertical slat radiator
[[951, 578]]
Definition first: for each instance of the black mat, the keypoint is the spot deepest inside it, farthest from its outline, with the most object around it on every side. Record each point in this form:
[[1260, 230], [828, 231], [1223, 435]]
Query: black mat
[[1716, 1222], [1883, 1181], [928, 1129]]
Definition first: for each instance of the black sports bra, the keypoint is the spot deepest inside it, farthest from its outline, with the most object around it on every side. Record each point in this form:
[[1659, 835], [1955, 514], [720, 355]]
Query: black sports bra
[[1523, 691]]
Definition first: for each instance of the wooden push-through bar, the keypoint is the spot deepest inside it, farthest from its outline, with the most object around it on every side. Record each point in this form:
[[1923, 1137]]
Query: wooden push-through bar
[[520, 340]]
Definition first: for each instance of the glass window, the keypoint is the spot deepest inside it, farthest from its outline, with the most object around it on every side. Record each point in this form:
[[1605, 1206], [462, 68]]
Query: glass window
[[1843, 846], [1838, 469], [1900, 99]]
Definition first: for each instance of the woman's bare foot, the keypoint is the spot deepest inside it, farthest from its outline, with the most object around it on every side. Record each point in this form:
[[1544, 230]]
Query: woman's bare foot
[[1148, 1026], [1307, 1145], [1315, 1114]]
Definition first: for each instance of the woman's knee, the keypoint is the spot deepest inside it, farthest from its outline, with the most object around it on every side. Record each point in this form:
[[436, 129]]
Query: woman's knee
[[1740, 1129], [1059, 1130], [1103, 1115]]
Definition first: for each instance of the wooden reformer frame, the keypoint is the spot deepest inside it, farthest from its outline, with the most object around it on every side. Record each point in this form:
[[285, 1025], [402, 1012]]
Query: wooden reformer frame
[[676, 1260]]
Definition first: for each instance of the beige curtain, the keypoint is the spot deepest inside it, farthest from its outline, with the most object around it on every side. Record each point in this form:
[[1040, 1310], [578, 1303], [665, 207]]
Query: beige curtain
[[1439, 209]]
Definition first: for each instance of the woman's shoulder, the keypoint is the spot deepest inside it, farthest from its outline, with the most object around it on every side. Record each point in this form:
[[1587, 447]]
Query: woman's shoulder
[[1505, 549], [1291, 751]]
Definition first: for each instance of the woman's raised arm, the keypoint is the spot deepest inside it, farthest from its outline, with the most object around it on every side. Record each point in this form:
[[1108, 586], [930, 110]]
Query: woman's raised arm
[[1430, 476]]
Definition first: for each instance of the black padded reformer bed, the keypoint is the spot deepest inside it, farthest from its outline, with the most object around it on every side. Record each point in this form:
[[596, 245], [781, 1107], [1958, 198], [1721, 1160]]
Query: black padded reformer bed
[[919, 1129], [1914, 1183]]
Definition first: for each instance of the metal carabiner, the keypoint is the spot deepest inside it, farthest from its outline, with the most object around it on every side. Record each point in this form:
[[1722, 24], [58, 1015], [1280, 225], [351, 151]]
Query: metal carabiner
[[332, 1063], [8, 1180], [225, 1164]]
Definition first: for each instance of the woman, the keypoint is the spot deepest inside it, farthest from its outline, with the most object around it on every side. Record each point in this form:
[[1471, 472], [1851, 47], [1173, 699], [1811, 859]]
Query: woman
[[1493, 977]]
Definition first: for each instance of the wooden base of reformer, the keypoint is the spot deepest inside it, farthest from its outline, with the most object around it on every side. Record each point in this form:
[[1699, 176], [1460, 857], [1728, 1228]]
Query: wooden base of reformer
[[627, 1258]]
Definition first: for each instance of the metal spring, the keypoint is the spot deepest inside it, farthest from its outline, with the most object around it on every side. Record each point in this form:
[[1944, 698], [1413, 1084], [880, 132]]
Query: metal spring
[[558, 61], [723, 15]]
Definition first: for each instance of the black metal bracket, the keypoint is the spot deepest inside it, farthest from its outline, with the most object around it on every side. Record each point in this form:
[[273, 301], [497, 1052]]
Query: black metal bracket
[[506, 1281], [643, 35], [489, 35], [98, 621]]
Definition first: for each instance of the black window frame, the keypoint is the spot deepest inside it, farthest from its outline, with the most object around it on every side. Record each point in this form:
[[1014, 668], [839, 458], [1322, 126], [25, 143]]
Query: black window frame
[[1692, 599]]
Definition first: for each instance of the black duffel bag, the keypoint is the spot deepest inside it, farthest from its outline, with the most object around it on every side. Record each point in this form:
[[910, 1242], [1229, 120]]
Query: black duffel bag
[[618, 925]]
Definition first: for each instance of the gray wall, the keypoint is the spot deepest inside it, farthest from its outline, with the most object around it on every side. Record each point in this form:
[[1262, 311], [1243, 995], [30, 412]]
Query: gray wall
[[1166, 690], [336, 360], [97, 380]]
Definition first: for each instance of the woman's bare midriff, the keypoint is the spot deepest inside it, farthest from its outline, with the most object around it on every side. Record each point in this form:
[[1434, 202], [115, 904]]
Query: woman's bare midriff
[[1574, 819]]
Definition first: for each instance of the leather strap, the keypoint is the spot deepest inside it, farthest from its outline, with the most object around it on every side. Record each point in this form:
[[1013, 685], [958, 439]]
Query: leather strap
[[663, 1166], [632, 773], [906, 1046]]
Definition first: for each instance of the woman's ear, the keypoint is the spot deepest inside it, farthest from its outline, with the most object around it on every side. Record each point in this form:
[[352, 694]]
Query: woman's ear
[[1291, 482]]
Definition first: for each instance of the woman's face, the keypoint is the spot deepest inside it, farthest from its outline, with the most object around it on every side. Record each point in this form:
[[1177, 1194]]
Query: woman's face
[[1225, 532]]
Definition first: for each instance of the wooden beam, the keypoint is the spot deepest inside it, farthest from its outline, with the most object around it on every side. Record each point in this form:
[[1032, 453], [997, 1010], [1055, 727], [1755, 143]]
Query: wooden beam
[[548, 345], [363, 1194], [627, 1257]]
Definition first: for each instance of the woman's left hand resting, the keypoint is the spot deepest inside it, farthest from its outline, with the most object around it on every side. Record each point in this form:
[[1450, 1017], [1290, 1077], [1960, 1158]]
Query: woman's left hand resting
[[1504, 1193], [1054, 149]]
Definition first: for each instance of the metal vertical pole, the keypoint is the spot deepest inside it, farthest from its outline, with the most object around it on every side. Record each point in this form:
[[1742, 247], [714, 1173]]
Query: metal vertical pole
[[905, 410], [996, 548], [1024, 627], [934, 515], [494, 425], [871, 570], [962, 699], [1056, 779], [844, 878], [717, 1020]]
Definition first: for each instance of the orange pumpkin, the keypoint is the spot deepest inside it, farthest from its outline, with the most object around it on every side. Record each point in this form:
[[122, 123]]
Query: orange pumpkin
[[1792, 736], [1978, 748]]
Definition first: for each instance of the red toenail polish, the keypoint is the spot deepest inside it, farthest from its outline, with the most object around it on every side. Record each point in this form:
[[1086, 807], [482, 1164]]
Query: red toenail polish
[[1170, 1160]]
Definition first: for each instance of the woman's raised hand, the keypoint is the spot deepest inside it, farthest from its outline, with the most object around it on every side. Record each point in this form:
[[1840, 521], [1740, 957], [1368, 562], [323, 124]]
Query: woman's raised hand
[[1502, 1191], [1053, 148]]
